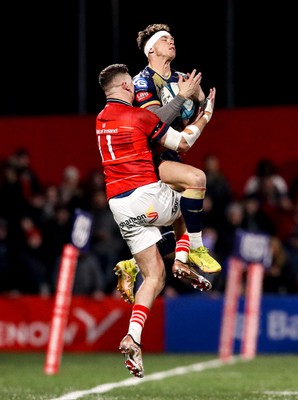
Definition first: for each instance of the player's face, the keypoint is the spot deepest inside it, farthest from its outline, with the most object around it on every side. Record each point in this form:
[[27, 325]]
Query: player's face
[[129, 84], [165, 46]]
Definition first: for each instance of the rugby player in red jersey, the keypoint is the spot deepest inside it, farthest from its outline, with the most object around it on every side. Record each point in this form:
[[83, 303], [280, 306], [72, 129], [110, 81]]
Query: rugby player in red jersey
[[140, 202]]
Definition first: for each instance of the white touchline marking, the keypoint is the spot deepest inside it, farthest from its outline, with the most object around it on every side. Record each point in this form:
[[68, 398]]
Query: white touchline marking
[[281, 393], [133, 381]]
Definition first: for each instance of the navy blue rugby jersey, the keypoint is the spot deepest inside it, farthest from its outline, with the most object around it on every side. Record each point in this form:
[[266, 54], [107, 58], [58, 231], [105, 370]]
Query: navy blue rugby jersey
[[148, 85]]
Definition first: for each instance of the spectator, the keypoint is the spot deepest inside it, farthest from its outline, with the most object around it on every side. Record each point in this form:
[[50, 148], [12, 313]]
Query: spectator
[[269, 185], [218, 187], [30, 183], [12, 201], [210, 216], [51, 201], [32, 277], [70, 189], [293, 190], [272, 190], [57, 233], [274, 277], [224, 245], [94, 182], [89, 278], [5, 260], [233, 221], [36, 208], [254, 218], [291, 269], [106, 241]]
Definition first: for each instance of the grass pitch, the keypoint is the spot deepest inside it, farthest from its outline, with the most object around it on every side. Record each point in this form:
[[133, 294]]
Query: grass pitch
[[102, 376]]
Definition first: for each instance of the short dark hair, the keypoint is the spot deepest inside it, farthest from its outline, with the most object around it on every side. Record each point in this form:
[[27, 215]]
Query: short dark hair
[[107, 75], [145, 35]]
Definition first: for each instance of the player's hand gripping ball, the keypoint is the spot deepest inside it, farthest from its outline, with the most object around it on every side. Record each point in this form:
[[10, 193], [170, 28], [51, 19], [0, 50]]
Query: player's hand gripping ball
[[170, 91]]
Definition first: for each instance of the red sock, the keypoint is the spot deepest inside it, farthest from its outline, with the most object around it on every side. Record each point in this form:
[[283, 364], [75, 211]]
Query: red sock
[[182, 248], [137, 322], [139, 314]]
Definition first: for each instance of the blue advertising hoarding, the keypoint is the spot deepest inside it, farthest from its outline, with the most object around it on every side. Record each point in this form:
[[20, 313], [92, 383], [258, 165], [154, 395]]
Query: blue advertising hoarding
[[193, 324]]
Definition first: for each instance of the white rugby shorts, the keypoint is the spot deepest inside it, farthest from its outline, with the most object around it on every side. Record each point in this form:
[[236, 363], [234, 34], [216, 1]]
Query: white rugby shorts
[[140, 214]]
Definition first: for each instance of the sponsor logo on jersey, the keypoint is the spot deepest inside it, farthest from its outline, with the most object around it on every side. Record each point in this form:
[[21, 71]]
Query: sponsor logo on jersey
[[105, 129], [133, 221], [175, 206], [99, 131], [142, 96], [152, 215], [140, 83]]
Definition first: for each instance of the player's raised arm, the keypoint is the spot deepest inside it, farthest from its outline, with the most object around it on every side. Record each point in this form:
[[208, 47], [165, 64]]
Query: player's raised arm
[[182, 141]]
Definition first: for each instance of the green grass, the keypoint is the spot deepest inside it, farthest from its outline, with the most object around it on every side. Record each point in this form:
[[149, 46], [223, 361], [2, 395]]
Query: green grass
[[264, 378]]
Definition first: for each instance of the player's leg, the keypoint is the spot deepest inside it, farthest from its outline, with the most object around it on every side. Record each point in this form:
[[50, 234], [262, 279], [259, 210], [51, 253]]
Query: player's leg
[[153, 271], [191, 182], [141, 239], [181, 267], [127, 271], [129, 280]]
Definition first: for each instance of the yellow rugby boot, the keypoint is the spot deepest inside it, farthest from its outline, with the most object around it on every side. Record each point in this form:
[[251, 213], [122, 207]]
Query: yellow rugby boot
[[203, 260], [127, 272]]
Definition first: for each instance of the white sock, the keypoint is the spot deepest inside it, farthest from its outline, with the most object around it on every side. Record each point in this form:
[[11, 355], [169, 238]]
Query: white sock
[[195, 240], [182, 256], [135, 330]]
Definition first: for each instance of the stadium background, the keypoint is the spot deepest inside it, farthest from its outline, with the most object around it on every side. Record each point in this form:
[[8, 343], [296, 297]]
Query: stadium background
[[52, 52], [51, 58]]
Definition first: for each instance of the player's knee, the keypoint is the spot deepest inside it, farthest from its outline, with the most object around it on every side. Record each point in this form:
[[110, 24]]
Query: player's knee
[[159, 281], [197, 179]]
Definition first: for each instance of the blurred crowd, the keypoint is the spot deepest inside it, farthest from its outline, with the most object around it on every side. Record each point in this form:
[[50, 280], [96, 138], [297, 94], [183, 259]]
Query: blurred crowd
[[36, 220]]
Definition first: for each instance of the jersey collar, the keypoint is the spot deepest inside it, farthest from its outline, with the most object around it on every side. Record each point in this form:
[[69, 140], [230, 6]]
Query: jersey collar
[[111, 100]]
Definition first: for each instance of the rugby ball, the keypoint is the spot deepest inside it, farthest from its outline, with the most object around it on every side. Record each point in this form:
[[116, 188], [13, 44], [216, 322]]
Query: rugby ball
[[171, 90]]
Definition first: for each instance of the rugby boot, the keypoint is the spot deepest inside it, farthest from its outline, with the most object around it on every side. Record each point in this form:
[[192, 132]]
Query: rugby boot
[[127, 272], [133, 356], [182, 270], [203, 260]]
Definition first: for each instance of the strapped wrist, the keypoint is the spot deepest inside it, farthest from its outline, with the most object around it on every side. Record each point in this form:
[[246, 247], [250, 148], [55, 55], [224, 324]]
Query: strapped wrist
[[207, 117], [208, 109], [191, 137]]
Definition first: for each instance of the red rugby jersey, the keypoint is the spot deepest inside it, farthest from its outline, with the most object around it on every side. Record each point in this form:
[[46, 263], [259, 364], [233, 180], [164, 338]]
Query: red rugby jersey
[[123, 136]]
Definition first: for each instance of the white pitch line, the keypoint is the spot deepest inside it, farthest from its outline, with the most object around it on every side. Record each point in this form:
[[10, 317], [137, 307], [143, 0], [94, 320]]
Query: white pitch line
[[281, 393], [133, 381]]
